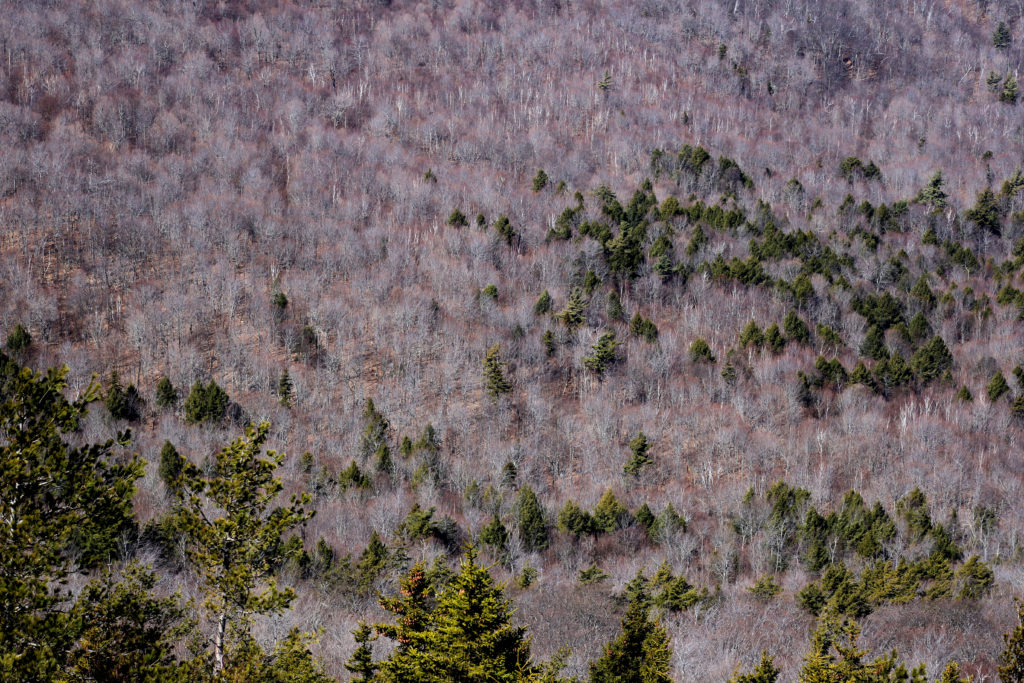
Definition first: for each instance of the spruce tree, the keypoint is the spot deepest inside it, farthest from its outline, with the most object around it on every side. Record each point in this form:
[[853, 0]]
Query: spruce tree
[[986, 212], [796, 329], [533, 530], [285, 389], [602, 354], [641, 652], [361, 663], [494, 373], [171, 467], [543, 304], [997, 387], [18, 339], [764, 672], [1010, 91], [573, 315], [639, 447], [1001, 36], [932, 194]]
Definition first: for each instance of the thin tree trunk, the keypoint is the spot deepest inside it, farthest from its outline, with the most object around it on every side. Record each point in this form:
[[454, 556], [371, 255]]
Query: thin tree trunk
[[218, 643]]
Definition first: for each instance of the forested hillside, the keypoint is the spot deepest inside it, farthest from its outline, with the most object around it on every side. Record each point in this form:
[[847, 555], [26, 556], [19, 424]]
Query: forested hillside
[[670, 340]]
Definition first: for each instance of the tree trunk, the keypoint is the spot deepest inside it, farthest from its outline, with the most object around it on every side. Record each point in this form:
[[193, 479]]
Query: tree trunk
[[218, 643]]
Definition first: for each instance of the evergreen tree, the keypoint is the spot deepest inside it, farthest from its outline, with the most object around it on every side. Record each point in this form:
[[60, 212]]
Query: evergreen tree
[[64, 508], [540, 180], [874, 344], [700, 352], [997, 387], [375, 431], [931, 360], [932, 194], [543, 304], [1011, 660], [610, 514], [639, 446], [796, 329], [533, 530], [764, 672], [285, 389], [986, 212], [751, 336], [495, 535], [641, 653], [614, 306], [574, 520], [602, 354], [923, 293], [166, 394], [205, 403], [361, 663], [642, 327], [234, 537], [504, 228], [773, 339], [457, 219], [18, 339], [548, 340], [122, 403], [494, 373], [964, 394], [573, 315], [1010, 91], [1001, 36], [171, 467]]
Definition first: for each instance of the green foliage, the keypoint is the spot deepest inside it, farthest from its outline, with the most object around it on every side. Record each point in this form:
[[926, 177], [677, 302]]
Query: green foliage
[[640, 653], [205, 403], [457, 219], [122, 403], [375, 431], [234, 536], [606, 83], [773, 339], [1011, 659], [611, 515], [466, 636], [548, 340], [964, 394], [543, 304], [751, 336], [361, 663], [495, 534], [574, 520], [796, 329], [65, 507], [986, 211], [494, 373], [353, 477], [166, 394], [278, 300], [602, 354], [489, 292], [644, 328], [931, 360], [540, 180], [1001, 36], [574, 313], [613, 306], [592, 574], [700, 352], [533, 530], [503, 227], [640, 448], [873, 345], [974, 578], [997, 386], [766, 588], [122, 632], [18, 339], [171, 467], [1010, 91], [932, 194], [764, 672], [285, 389]]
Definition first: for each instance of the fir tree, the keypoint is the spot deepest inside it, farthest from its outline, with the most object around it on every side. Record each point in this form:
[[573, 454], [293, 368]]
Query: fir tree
[[700, 352], [986, 212], [540, 180], [1009, 93], [573, 315], [773, 339], [361, 663], [533, 530], [764, 672], [931, 360], [574, 520], [932, 194], [285, 389], [494, 373], [610, 515], [171, 467], [796, 329]]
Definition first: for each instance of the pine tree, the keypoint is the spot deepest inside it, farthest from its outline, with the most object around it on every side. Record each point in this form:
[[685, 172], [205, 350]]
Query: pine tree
[[285, 389], [1001, 36], [543, 304], [171, 467], [1011, 660], [504, 228], [932, 194], [361, 663], [533, 530], [234, 537], [931, 360], [375, 431], [773, 339], [986, 212], [796, 329], [540, 180], [18, 339], [1010, 91], [874, 344], [700, 352], [639, 446], [573, 315], [166, 394], [494, 535], [574, 520], [602, 354], [494, 373], [764, 672], [751, 336], [610, 514], [641, 653], [205, 403], [997, 387], [65, 506]]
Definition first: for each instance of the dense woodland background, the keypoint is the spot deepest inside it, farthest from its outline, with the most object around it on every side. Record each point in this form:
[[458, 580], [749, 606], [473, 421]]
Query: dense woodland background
[[236, 190]]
